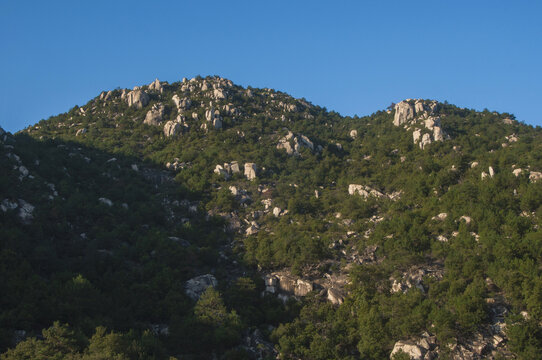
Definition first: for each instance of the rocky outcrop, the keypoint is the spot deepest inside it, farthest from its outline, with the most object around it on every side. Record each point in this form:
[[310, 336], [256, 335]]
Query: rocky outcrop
[[534, 176], [219, 94], [105, 201], [219, 169], [155, 115], [172, 128], [278, 282], [293, 143], [420, 116], [335, 296], [25, 211], [404, 111], [213, 116], [257, 347], [196, 286], [250, 171], [489, 342], [105, 95], [364, 191], [227, 169], [253, 228], [181, 104], [137, 98], [176, 164], [353, 134], [156, 86], [440, 217], [413, 278], [436, 133], [410, 348], [81, 132], [489, 174]]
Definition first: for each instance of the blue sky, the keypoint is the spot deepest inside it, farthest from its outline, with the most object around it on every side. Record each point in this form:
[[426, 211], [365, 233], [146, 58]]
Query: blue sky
[[354, 57]]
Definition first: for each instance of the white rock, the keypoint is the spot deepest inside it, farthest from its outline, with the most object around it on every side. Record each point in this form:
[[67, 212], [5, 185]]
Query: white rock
[[156, 85], [154, 115], [252, 229], [491, 172], [277, 211], [363, 190], [409, 348], [306, 141], [234, 167], [106, 201], [8, 205], [438, 134], [250, 171], [209, 114], [172, 128], [219, 169], [176, 100], [419, 106], [517, 172], [26, 211], [466, 219], [429, 123], [219, 94], [534, 176], [441, 217], [137, 98], [335, 296], [23, 170], [286, 146], [404, 111], [81, 132], [426, 140], [416, 135], [353, 134]]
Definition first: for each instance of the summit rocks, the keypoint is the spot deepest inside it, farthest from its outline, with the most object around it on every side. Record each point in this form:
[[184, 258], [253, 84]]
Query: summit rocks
[[421, 116], [137, 98]]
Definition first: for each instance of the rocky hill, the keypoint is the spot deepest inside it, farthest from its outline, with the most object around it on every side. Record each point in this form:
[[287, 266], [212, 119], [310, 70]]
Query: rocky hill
[[200, 219]]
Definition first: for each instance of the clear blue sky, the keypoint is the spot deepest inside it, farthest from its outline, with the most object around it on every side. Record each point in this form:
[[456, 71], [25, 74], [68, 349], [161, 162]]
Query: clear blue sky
[[354, 57]]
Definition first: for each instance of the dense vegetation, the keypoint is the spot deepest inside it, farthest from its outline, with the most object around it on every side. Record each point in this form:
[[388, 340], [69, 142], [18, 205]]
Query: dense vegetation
[[114, 274]]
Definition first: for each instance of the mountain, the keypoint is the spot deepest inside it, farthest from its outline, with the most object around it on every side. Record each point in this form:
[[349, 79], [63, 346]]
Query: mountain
[[201, 219]]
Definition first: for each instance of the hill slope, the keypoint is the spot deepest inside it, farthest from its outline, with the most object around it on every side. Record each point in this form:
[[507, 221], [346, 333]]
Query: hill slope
[[414, 228]]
